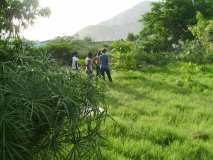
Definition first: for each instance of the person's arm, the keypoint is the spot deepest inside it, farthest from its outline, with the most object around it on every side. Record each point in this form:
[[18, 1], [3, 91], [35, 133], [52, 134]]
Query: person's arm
[[95, 60]]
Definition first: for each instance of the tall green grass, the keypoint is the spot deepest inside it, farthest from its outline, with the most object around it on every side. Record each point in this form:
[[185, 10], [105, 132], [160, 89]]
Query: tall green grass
[[161, 113]]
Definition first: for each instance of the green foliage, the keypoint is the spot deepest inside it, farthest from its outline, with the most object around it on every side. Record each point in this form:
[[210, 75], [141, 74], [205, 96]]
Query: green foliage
[[199, 50], [5, 54], [203, 32], [199, 29], [155, 43], [61, 51], [47, 112], [143, 58], [62, 48], [155, 39], [168, 22], [17, 14], [132, 37], [122, 54], [88, 39], [9, 48], [193, 51], [189, 71]]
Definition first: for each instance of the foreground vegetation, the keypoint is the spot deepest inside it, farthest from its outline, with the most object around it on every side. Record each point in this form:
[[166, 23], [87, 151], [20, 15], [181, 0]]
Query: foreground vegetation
[[46, 111], [161, 113]]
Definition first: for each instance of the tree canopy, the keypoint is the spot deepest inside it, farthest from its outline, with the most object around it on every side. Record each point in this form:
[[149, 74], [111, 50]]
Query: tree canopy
[[17, 14], [169, 20]]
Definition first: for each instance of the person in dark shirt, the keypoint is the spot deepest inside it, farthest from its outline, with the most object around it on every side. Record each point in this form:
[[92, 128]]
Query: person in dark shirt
[[104, 65]]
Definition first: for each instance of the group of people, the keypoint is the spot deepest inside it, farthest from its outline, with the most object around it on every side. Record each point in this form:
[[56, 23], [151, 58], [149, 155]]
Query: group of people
[[100, 62]]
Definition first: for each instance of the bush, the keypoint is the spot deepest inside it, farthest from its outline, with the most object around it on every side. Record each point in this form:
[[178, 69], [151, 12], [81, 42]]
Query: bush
[[193, 51], [47, 112], [122, 54], [154, 58], [155, 43], [62, 51], [200, 50]]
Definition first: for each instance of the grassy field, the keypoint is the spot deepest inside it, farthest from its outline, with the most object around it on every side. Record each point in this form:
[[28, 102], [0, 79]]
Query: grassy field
[[161, 113]]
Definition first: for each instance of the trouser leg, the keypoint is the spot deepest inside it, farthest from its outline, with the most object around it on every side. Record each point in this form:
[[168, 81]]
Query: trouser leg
[[108, 74], [103, 73], [98, 71], [89, 74]]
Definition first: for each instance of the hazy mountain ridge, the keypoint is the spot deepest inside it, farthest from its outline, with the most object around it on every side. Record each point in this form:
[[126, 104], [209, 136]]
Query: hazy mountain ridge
[[119, 26]]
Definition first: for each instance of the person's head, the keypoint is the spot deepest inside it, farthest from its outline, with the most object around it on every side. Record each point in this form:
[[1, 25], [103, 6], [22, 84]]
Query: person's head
[[89, 55], [99, 53], [75, 54], [104, 50]]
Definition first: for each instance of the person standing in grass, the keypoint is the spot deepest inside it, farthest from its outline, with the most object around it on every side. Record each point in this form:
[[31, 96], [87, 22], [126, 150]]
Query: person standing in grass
[[88, 63], [96, 61], [104, 65], [75, 61]]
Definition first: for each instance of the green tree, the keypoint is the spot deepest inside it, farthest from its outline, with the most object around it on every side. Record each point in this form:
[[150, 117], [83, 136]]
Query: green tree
[[131, 37], [168, 21], [18, 14], [88, 39]]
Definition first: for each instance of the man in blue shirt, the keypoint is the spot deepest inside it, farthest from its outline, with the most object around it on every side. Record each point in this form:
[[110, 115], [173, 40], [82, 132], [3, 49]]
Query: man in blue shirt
[[104, 65]]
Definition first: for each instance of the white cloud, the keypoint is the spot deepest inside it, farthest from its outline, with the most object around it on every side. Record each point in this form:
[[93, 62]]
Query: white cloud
[[69, 16]]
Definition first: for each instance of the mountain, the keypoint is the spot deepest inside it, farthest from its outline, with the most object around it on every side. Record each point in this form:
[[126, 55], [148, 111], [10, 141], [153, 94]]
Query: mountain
[[119, 26]]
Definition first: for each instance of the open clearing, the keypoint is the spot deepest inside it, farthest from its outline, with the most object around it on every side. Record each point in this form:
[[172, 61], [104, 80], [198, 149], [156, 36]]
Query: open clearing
[[161, 113]]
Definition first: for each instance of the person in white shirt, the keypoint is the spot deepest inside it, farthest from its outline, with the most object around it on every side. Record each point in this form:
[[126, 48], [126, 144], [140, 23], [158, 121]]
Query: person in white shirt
[[75, 60]]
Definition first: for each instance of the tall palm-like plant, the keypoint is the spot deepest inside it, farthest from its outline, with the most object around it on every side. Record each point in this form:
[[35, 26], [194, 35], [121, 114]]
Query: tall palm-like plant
[[47, 112]]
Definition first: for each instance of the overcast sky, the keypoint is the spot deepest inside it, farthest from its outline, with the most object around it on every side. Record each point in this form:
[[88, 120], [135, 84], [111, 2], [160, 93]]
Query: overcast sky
[[69, 16]]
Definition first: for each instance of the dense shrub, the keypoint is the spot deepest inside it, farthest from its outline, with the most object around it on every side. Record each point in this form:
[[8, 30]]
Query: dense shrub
[[122, 54], [199, 50], [156, 42], [132, 37], [61, 51], [193, 51], [154, 58], [46, 111], [9, 48]]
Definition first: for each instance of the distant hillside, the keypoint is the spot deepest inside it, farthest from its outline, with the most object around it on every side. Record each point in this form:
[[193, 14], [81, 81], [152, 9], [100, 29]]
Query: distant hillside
[[119, 26]]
